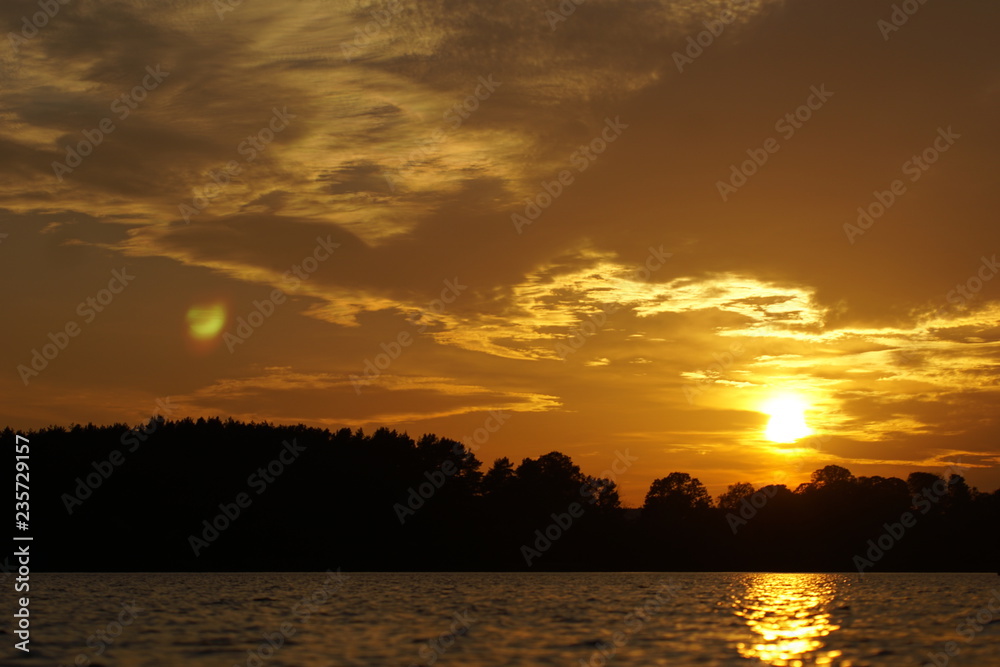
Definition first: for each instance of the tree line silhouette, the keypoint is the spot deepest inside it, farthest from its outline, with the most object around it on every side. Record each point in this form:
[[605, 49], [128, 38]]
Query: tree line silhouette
[[214, 495]]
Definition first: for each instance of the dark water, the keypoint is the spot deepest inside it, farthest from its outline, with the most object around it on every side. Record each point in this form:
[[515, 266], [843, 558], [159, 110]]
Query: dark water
[[512, 619]]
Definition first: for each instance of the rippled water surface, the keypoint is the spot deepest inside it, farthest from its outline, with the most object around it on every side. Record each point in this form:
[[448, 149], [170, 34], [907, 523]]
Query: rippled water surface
[[511, 619]]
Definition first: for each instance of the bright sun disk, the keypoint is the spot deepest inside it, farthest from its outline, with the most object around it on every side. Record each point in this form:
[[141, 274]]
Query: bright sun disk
[[788, 419], [205, 322]]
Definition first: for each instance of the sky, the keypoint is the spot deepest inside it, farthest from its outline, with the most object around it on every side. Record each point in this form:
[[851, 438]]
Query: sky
[[619, 229]]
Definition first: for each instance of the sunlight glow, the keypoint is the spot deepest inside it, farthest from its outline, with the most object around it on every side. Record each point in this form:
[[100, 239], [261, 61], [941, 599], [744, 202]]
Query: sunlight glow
[[205, 322], [788, 419]]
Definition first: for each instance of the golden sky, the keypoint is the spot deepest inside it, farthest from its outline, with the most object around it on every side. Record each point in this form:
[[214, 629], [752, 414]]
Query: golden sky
[[629, 226]]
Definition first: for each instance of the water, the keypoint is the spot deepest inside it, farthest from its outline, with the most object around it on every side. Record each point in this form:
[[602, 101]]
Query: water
[[510, 619]]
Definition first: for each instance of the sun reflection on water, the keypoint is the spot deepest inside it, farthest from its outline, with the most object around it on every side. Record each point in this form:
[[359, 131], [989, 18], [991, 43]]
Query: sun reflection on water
[[790, 617]]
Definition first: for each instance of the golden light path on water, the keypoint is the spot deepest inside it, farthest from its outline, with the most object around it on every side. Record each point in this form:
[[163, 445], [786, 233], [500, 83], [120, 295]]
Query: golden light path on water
[[789, 614]]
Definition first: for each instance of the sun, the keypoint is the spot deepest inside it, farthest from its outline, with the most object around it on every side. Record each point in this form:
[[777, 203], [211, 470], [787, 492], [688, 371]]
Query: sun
[[788, 419], [206, 321]]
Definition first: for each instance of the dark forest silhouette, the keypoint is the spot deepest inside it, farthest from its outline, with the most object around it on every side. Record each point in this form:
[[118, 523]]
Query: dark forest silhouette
[[120, 498]]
